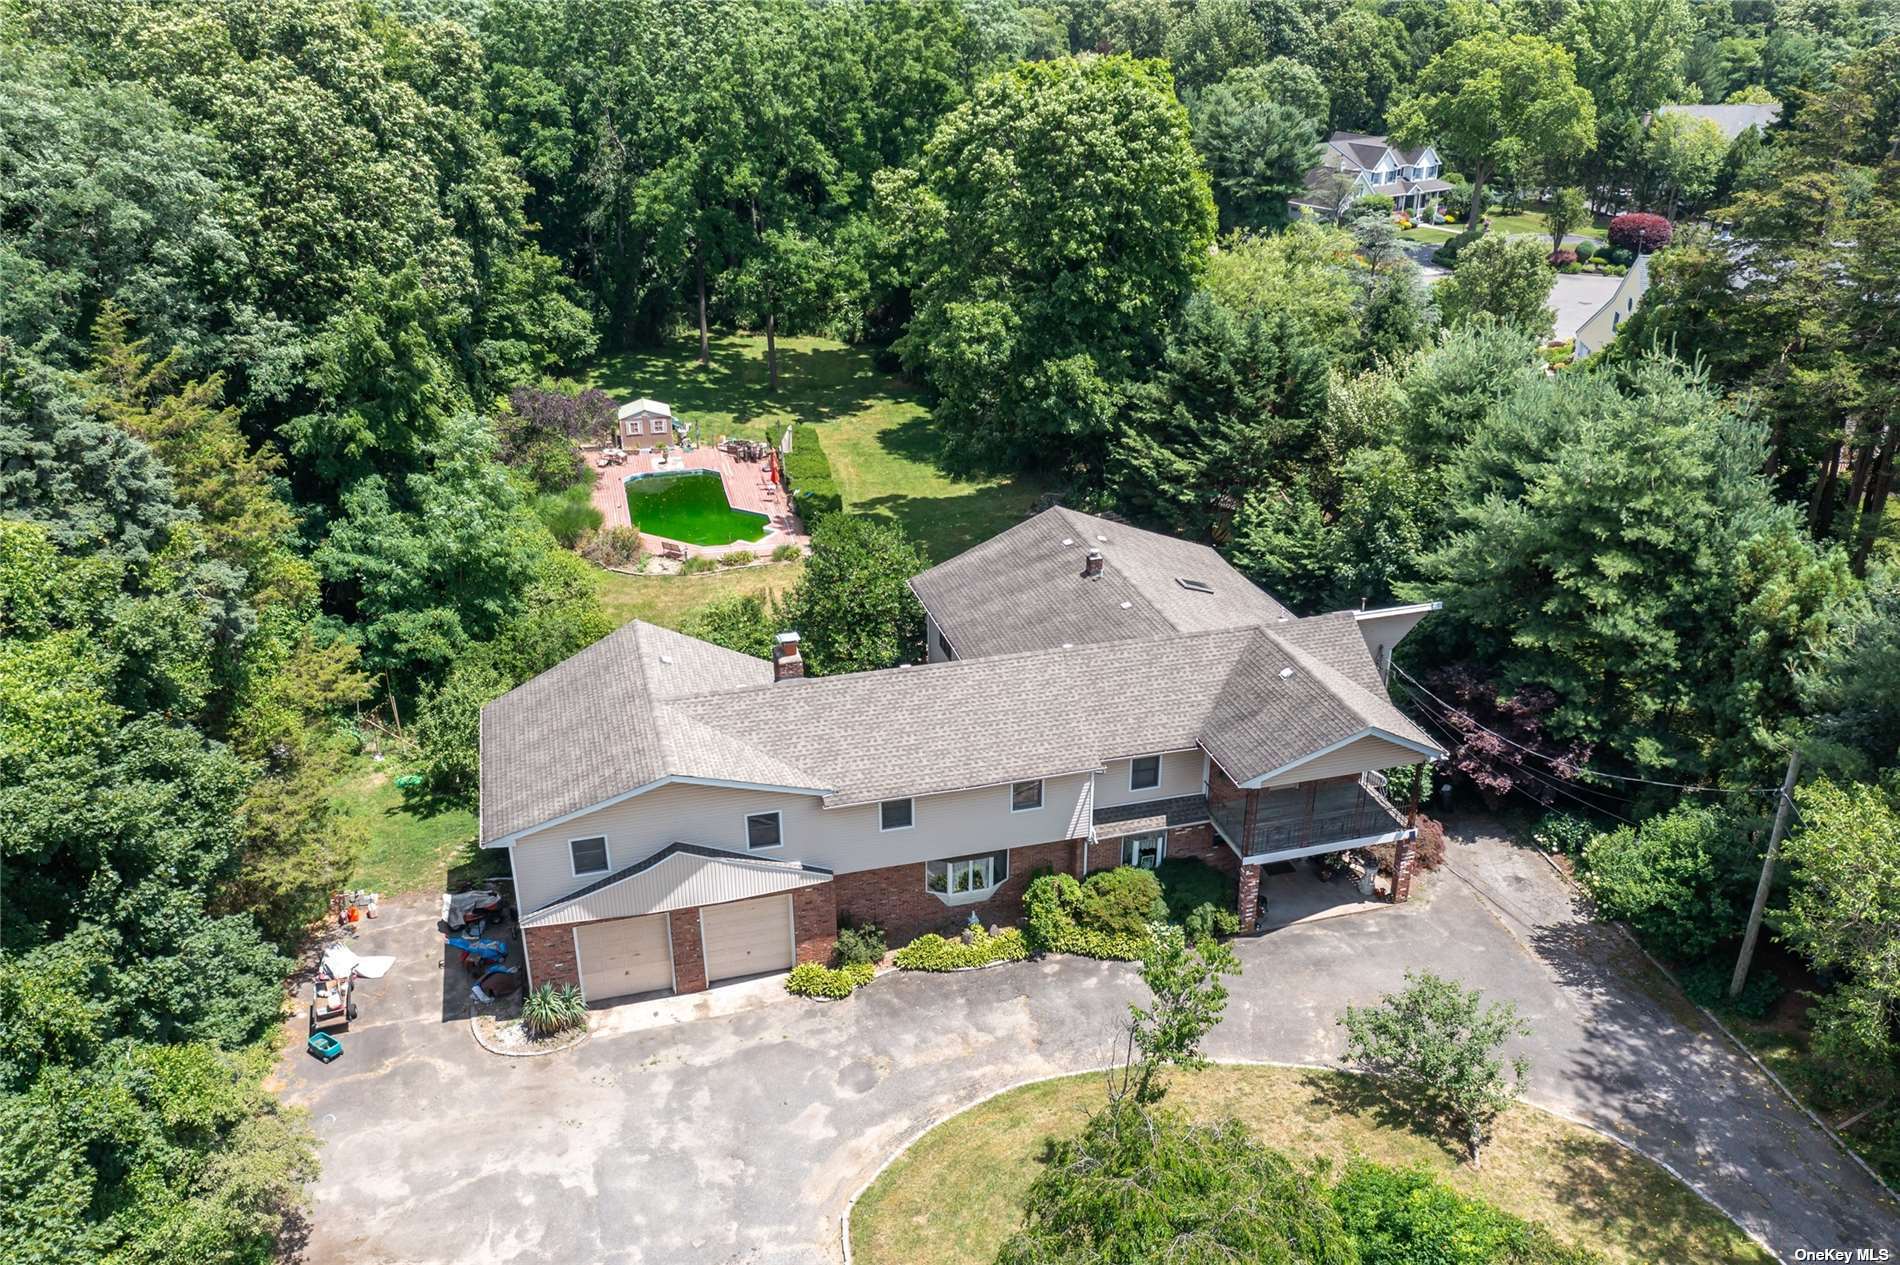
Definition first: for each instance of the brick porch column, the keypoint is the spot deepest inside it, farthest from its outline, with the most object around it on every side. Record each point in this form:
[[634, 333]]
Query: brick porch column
[[1404, 861], [1249, 897]]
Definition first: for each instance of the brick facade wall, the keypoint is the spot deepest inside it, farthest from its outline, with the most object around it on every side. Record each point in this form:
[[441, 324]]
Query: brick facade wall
[[689, 956], [1202, 844], [815, 922], [894, 898], [550, 955]]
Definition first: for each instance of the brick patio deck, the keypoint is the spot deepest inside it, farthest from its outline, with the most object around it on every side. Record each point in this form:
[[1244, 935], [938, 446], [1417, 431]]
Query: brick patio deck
[[747, 488]]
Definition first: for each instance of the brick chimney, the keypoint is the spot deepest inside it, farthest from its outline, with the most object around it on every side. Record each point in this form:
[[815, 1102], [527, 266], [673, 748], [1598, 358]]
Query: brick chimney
[[787, 664], [1092, 565]]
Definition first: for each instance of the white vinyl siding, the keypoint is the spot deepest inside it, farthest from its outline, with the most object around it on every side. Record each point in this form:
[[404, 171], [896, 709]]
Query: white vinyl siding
[[747, 937], [1354, 757], [1180, 775], [839, 839]]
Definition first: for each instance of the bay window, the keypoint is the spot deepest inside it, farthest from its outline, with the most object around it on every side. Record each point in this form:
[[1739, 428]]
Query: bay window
[[967, 877]]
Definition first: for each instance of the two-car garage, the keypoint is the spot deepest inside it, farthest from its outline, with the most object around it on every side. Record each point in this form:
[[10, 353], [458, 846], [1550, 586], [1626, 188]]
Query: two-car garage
[[625, 956], [684, 919]]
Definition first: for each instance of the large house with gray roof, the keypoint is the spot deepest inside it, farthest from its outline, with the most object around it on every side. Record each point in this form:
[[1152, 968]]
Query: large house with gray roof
[[677, 814], [1354, 165]]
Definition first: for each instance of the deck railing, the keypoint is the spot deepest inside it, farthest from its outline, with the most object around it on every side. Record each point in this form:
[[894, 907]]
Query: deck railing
[[1307, 815]]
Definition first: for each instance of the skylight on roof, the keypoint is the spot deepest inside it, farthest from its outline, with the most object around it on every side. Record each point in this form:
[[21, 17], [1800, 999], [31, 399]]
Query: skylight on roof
[[1194, 586]]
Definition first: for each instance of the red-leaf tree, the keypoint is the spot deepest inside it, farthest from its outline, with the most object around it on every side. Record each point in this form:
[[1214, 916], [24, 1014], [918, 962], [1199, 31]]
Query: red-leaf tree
[[1640, 231]]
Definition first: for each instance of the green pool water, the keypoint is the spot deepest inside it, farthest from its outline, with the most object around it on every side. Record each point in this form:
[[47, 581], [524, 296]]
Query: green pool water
[[690, 506]]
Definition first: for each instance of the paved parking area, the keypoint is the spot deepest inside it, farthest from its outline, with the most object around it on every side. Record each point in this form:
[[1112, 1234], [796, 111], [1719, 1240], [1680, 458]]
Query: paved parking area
[[737, 1128]]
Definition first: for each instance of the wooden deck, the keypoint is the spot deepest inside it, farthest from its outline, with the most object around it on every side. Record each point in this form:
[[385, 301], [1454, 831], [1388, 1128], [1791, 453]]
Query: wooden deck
[[747, 484]]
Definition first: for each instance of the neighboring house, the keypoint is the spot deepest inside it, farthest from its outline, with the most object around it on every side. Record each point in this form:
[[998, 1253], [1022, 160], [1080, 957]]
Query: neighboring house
[[1412, 178], [677, 814], [1732, 119], [643, 421]]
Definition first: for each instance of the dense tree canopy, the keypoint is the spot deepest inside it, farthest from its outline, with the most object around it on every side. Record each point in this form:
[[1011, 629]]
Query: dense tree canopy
[[1067, 214]]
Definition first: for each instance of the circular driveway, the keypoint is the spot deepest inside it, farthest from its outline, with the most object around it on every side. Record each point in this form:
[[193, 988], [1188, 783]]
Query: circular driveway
[[741, 1136]]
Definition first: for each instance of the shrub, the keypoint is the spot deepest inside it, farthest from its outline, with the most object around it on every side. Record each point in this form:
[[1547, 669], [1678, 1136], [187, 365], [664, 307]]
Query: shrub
[[1056, 905], [736, 558], [1562, 832], [1447, 255], [1673, 880], [1209, 919], [1122, 901], [787, 552], [1399, 1216], [742, 622], [611, 546], [1565, 259], [1707, 985], [697, 566], [1188, 883], [811, 979], [1435, 1048], [1617, 256], [1617, 270], [860, 944], [569, 516], [814, 490], [553, 1009], [1640, 231], [975, 947], [1584, 251]]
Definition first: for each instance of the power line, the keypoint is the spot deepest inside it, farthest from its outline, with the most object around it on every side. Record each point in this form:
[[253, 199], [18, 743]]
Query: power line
[[1546, 781], [1611, 777]]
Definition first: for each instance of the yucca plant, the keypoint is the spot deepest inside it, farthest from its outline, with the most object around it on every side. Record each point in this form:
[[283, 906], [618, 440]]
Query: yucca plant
[[552, 1009]]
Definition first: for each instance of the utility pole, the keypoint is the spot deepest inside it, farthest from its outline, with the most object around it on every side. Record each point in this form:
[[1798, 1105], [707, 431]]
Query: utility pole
[[1767, 875]]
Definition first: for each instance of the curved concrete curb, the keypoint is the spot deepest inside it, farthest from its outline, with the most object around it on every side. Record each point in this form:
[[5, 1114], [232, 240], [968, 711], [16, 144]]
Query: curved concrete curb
[[475, 1030], [844, 1218]]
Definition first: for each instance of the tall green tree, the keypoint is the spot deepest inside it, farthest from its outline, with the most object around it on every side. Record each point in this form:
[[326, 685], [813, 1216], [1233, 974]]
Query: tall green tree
[[1501, 277], [1493, 101], [1074, 217], [1257, 152], [852, 606]]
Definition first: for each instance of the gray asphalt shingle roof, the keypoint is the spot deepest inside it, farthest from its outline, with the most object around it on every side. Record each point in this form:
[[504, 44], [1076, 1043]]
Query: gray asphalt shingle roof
[[1024, 589], [1148, 666]]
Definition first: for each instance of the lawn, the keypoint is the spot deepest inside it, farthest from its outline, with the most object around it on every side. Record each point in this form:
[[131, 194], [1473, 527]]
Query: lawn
[[955, 1195], [876, 428], [668, 600], [409, 849], [1427, 233], [1534, 223]]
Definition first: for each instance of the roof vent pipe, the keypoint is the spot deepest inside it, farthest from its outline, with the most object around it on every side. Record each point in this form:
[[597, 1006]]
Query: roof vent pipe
[[787, 664], [1092, 566]]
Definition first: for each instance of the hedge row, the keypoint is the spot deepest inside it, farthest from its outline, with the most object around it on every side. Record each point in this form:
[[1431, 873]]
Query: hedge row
[[977, 947], [814, 491], [814, 980]]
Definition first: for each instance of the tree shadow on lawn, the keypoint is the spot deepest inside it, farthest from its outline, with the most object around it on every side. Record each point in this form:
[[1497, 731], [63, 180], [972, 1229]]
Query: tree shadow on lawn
[[947, 525], [815, 383], [1363, 1098]]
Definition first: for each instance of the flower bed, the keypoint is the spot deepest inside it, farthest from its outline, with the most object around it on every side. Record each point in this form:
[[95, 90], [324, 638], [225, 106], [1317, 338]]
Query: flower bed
[[976, 947], [813, 979]]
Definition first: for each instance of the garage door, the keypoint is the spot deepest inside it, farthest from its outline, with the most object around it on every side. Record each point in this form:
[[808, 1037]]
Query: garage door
[[747, 937], [627, 955]]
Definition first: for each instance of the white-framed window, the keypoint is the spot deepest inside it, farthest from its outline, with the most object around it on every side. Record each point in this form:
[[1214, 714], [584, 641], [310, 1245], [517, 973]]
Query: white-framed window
[[1144, 773], [762, 830], [970, 878], [1024, 796], [661, 426], [896, 814], [1146, 850], [588, 856]]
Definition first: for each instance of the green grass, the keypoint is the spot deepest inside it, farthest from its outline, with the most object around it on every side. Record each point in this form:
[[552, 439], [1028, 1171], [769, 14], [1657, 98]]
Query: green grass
[[875, 427], [670, 600], [1427, 233], [409, 850], [1534, 223], [956, 1193], [690, 506]]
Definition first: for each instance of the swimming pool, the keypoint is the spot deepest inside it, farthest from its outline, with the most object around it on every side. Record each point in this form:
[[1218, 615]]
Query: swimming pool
[[690, 506]]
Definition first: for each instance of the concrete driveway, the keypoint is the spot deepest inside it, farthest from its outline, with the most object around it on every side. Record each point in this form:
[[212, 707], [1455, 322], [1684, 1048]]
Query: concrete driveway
[[740, 1132], [1575, 298]]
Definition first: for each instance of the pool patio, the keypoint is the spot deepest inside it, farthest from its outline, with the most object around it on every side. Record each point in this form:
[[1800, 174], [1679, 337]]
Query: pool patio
[[747, 485]]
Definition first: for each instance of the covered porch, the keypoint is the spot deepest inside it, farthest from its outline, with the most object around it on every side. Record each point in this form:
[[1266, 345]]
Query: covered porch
[[1287, 823]]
